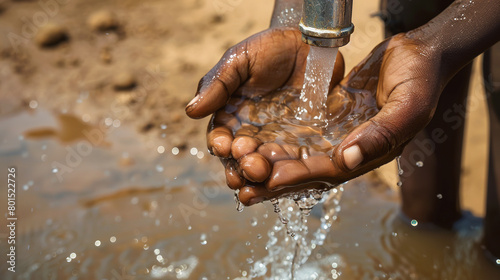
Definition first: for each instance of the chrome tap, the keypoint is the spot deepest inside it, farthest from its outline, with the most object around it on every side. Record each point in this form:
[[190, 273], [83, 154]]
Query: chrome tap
[[326, 23]]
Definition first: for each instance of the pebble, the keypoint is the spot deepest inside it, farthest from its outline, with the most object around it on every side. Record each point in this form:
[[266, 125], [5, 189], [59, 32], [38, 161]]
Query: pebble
[[124, 81], [51, 34], [102, 20], [105, 55]]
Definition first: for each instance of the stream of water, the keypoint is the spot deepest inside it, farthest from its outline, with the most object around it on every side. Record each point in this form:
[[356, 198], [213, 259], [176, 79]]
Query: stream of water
[[319, 71]]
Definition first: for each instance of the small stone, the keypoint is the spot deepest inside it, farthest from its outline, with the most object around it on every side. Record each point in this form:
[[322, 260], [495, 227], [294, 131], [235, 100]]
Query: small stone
[[51, 35], [102, 20], [124, 81], [105, 55]]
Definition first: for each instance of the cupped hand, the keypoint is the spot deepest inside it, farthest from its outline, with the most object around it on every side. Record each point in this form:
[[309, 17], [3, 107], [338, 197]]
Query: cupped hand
[[267, 154]]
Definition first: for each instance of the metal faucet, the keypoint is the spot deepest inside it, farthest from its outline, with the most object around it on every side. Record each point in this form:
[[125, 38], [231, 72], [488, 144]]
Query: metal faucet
[[326, 23]]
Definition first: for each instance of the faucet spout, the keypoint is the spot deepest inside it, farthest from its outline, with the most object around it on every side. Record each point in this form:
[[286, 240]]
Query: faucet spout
[[326, 23]]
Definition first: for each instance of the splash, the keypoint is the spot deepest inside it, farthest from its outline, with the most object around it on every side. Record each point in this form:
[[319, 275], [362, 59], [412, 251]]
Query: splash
[[286, 252]]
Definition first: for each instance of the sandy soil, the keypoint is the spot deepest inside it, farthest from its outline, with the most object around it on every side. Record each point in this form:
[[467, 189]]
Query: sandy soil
[[146, 57]]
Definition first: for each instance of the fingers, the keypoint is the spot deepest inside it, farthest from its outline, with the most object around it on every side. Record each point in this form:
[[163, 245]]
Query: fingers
[[233, 178], [288, 173], [255, 167], [220, 134], [244, 145], [219, 141], [215, 88]]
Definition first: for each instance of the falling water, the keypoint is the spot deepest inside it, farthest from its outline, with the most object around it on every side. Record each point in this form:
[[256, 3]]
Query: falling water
[[239, 205], [400, 171], [317, 78], [287, 252]]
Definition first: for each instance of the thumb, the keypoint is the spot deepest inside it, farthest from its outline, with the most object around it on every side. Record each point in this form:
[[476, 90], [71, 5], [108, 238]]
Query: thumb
[[215, 88], [383, 137]]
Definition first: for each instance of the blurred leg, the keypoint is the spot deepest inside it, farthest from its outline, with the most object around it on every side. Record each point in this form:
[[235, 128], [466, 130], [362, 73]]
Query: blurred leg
[[492, 219], [431, 193]]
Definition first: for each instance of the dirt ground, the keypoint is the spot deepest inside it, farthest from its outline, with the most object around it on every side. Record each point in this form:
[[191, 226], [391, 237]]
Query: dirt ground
[[139, 62]]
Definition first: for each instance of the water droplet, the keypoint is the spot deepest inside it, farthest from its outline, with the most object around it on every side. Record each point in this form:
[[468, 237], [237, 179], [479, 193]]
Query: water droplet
[[163, 126], [203, 239], [159, 168], [400, 169], [55, 170], [419, 164], [160, 149], [108, 121], [414, 223], [253, 222], [33, 104], [175, 151], [439, 196], [72, 255], [156, 251], [498, 261], [97, 243], [193, 151], [400, 184], [112, 239], [116, 123], [239, 205]]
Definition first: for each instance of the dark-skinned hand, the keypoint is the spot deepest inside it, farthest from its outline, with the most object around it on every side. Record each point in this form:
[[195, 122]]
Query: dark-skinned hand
[[253, 90]]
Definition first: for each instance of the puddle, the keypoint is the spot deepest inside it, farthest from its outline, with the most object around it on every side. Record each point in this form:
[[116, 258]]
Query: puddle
[[103, 202]]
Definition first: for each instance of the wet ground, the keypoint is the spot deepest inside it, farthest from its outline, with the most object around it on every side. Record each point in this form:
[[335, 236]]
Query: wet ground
[[103, 202], [114, 182]]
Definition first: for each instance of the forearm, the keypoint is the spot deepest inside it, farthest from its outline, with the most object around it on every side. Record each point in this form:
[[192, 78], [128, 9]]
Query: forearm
[[461, 32], [286, 13]]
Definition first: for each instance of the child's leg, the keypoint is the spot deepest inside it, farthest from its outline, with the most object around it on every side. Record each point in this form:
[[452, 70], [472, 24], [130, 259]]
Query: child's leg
[[431, 193], [492, 82]]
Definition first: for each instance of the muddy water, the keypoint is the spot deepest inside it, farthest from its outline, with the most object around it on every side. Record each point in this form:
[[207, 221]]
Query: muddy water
[[125, 208]]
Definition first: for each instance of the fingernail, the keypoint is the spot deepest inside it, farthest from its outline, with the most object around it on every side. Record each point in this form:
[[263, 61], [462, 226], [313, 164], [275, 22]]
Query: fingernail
[[194, 100], [352, 157]]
